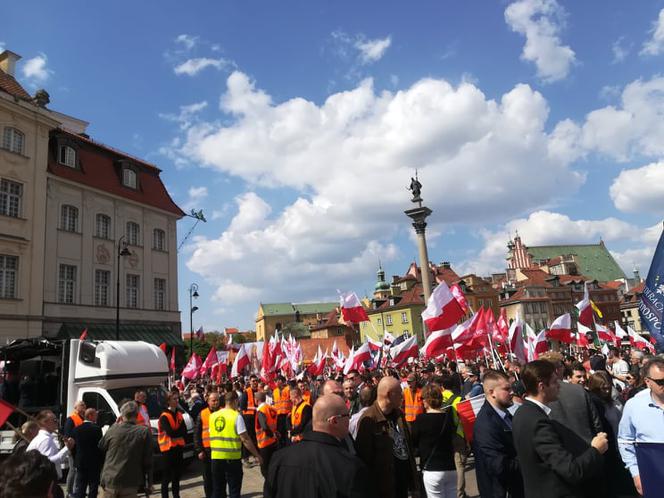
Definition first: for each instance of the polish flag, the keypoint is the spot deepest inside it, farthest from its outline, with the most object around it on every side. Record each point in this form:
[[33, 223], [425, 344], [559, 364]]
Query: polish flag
[[404, 350], [317, 365], [603, 333], [388, 338], [585, 308], [517, 345], [620, 333], [460, 297], [373, 344], [491, 327], [335, 349], [241, 362], [351, 308], [581, 337], [210, 360], [192, 370], [443, 310], [537, 346], [362, 354], [502, 324], [437, 343], [199, 333], [561, 329], [463, 333], [467, 411], [348, 364], [479, 340], [639, 342]]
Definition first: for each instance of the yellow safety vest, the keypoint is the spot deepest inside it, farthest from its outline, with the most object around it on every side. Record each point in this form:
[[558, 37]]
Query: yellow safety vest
[[225, 443]]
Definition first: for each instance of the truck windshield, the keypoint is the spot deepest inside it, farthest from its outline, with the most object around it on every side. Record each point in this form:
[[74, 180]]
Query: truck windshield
[[156, 398]]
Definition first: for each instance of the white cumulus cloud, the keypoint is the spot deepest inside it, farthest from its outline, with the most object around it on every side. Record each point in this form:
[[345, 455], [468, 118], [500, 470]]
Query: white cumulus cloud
[[188, 41], [640, 190], [540, 21], [191, 67], [187, 115], [35, 69], [655, 45], [373, 50], [349, 160]]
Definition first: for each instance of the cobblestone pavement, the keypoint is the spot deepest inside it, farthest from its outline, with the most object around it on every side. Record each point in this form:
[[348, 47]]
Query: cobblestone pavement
[[191, 485]]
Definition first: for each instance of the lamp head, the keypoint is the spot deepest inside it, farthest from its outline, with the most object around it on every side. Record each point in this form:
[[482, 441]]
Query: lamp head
[[195, 308], [195, 294]]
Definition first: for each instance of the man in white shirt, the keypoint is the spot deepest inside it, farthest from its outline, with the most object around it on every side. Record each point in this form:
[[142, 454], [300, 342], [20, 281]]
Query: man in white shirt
[[46, 441], [618, 368]]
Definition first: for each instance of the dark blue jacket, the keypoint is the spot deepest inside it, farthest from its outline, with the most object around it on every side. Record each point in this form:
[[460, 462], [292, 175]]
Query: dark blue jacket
[[496, 464]]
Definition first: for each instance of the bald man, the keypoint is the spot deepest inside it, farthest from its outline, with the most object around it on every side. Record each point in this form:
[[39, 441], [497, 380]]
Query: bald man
[[331, 386], [320, 460], [384, 445]]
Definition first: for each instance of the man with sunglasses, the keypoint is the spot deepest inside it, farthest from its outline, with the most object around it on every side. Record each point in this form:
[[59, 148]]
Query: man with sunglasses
[[643, 418], [319, 465]]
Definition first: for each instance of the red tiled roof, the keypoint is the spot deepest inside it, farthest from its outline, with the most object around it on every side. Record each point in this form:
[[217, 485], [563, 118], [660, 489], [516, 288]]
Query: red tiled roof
[[12, 87], [98, 170], [613, 284], [410, 297], [537, 277], [231, 330]]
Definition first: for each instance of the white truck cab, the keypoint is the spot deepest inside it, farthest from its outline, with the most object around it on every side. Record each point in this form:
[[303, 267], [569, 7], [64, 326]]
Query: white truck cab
[[103, 374]]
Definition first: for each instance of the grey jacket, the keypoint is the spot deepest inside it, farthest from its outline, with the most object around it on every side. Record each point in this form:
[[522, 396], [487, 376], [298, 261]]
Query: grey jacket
[[127, 449], [575, 410]]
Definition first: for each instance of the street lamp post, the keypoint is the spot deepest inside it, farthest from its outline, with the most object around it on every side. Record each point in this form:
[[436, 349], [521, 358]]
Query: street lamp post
[[193, 293], [122, 251]]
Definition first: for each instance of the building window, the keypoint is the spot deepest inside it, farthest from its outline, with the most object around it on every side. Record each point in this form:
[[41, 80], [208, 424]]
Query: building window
[[103, 226], [133, 234], [69, 218], [160, 294], [8, 270], [380, 322], [13, 140], [10, 198], [67, 156], [388, 320], [133, 282], [102, 285], [404, 317], [67, 284], [129, 178], [159, 239]]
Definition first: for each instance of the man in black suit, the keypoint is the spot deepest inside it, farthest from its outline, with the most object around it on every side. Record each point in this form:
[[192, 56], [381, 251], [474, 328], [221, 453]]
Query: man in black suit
[[496, 463], [555, 462], [88, 460]]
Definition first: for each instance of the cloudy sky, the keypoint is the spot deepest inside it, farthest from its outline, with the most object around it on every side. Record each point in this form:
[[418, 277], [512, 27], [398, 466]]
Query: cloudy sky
[[296, 126]]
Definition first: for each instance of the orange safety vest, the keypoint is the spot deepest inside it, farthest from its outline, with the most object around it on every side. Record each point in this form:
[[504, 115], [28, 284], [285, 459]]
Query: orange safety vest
[[282, 402], [165, 441], [306, 396], [251, 406], [205, 427], [76, 418], [414, 405], [296, 414], [262, 438]]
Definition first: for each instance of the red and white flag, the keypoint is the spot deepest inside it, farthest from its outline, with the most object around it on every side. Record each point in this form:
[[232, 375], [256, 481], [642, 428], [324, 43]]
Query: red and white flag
[[443, 310], [388, 338], [517, 344], [373, 344], [639, 342], [351, 308], [242, 361], [362, 354], [173, 359], [467, 411], [404, 350], [502, 324], [604, 334], [200, 335], [620, 334], [585, 308], [537, 346], [581, 337], [192, 369], [561, 329], [335, 349], [210, 360], [348, 364], [460, 297], [437, 343], [463, 333]]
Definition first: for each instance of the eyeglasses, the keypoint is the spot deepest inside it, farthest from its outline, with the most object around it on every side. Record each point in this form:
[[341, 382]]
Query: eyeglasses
[[659, 382]]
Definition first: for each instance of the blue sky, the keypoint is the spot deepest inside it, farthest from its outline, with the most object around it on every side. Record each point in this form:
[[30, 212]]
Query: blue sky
[[296, 125]]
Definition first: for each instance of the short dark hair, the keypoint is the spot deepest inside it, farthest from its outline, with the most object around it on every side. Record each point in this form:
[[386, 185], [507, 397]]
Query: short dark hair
[[494, 375], [367, 395], [448, 382], [230, 397], [578, 366], [27, 474], [535, 372]]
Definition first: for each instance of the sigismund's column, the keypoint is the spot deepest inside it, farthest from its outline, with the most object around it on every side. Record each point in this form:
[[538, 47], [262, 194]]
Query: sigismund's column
[[419, 216]]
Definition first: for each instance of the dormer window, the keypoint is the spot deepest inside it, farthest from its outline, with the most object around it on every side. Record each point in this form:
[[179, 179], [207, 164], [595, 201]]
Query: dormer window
[[129, 178], [67, 156], [13, 140]]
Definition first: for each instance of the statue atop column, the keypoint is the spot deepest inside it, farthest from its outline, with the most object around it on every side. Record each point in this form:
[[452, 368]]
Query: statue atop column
[[416, 189]]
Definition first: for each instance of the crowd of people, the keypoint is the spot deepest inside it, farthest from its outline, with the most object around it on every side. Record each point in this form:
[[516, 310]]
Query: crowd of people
[[559, 426]]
